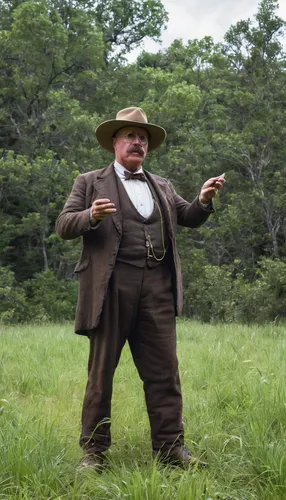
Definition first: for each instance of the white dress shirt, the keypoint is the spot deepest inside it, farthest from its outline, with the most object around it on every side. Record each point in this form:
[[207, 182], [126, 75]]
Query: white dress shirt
[[138, 191]]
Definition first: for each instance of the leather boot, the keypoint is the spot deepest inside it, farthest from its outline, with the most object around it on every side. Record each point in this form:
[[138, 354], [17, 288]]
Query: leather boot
[[179, 457]]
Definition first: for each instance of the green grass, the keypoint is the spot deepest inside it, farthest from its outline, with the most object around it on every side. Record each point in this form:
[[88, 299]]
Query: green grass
[[234, 413]]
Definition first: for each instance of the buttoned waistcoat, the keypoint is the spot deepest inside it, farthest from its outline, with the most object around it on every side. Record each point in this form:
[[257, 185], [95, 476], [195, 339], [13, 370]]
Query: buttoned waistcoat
[[101, 244], [137, 230]]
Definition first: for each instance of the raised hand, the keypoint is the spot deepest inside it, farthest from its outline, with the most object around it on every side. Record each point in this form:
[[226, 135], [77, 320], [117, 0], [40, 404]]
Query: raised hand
[[211, 187]]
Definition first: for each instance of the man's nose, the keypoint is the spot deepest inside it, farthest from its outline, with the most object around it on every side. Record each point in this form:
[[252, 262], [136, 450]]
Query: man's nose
[[136, 140]]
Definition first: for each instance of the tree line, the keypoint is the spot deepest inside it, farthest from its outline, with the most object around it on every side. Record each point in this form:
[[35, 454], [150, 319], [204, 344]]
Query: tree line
[[64, 69]]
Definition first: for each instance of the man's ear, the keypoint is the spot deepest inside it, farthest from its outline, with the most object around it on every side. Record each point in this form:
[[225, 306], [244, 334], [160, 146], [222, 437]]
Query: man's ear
[[114, 142]]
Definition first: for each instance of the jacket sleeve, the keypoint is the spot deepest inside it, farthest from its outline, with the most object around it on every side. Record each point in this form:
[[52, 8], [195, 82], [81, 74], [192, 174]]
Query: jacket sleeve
[[74, 220], [190, 214]]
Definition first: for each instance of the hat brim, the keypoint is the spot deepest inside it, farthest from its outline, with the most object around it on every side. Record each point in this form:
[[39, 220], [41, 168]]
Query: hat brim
[[106, 131]]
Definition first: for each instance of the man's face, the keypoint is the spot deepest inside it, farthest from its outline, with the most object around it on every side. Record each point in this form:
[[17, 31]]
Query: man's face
[[131, 153]]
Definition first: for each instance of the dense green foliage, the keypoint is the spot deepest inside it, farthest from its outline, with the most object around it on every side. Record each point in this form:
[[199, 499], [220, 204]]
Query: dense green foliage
[[233, 380], [63, 70]]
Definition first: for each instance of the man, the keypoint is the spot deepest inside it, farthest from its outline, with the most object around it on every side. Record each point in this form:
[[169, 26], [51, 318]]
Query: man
[[130, 281]]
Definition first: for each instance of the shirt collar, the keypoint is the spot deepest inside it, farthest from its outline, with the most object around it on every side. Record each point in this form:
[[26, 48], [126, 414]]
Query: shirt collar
[[119, 169]]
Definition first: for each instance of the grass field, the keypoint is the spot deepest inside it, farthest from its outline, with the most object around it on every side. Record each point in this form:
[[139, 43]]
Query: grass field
[[233, 380]]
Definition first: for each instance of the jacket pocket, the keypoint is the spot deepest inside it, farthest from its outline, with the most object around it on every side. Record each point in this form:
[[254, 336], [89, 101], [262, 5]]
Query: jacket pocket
[[81, 265]]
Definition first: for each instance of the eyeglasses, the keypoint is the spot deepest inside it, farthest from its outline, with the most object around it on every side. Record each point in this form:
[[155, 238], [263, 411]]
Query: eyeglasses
[[131, 137]]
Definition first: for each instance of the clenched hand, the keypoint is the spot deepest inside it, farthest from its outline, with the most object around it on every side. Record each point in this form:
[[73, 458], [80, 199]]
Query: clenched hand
[[101, 208]]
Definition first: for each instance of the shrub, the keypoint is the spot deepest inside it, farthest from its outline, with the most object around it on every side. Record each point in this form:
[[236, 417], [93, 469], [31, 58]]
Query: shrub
[[222, 293], [265, 298], [50, 298], [13, 302]]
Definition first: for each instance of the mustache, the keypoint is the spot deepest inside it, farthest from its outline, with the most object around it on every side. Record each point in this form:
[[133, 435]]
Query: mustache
[[136, 149]]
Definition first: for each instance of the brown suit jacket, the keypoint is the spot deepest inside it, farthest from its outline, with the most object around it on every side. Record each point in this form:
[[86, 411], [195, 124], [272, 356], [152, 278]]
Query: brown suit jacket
[[100, 244]]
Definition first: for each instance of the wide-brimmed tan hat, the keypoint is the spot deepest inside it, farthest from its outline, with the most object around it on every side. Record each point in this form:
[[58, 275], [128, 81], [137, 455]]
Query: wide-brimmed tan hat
[[124, 118]]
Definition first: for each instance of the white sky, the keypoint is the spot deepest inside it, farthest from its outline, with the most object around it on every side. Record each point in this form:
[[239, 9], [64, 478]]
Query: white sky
[[189, 19]]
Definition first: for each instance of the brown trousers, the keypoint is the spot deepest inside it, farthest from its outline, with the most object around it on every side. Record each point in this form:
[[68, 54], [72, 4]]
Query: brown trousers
[[139, 307]]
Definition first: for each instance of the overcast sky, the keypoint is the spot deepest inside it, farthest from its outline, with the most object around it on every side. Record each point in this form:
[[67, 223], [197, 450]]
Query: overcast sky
[[189, 19]]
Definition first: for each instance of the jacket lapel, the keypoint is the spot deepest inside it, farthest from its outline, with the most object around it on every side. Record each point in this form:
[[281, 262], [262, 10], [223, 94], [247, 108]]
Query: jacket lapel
[[106, 187], [161, 188]]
